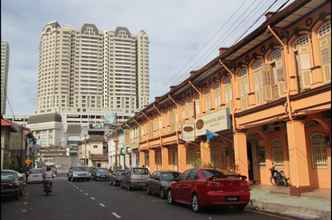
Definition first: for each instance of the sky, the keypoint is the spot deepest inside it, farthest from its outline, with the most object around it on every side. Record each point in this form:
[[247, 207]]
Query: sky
[[184, 35]]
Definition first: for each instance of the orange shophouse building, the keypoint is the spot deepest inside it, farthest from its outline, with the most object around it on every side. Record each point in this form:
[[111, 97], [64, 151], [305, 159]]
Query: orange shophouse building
[[268, 97]]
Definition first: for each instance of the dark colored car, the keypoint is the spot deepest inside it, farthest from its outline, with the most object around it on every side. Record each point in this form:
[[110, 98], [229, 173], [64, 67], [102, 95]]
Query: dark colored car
[[100, 174], [12, 185], [160, 181], [116, 177], [135, 178], [208, 187]]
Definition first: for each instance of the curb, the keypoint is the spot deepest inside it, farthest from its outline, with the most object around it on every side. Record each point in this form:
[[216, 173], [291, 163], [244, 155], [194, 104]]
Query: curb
[[290, 211]]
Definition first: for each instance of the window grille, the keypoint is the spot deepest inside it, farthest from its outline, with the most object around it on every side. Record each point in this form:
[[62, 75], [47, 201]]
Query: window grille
[[318, 147]]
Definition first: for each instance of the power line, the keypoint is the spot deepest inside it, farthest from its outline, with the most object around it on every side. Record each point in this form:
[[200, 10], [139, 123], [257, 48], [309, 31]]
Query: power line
[[255, 22], [202, 49], [234, 25]]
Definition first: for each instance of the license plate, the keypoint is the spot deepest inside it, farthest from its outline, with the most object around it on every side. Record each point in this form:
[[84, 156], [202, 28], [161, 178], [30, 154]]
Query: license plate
[[232, 198]]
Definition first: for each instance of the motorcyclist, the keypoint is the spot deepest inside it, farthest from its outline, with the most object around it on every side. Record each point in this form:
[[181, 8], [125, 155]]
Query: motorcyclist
[[47, 176]]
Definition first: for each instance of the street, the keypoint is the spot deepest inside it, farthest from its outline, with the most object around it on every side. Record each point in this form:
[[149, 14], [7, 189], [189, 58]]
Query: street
[[99, 200]]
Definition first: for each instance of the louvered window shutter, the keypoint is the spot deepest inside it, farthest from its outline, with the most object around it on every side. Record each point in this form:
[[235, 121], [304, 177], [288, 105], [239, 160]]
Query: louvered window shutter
[[303, 59], [325, 50]]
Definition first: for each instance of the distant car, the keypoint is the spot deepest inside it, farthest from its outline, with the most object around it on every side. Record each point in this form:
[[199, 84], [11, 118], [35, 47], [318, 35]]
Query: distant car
[[36, 175], [116, 177], [78, 173], [135, 178], [160, 181], [12, 184], [208, 187], [101, 174]]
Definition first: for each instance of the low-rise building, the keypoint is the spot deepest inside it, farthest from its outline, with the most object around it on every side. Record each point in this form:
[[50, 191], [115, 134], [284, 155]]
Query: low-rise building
[[264, 102], [92, 151]]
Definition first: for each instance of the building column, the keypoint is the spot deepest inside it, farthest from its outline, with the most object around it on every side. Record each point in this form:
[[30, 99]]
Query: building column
[[141, 158], [240, 153], [298, 157], [164, 158], [152, 160], [182, 157], [205, 149]]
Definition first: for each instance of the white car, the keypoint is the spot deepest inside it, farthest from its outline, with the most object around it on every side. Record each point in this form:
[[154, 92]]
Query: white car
[[36, 175]]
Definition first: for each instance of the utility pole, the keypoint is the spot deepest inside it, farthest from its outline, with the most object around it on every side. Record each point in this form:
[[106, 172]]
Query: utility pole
[[116, 141]]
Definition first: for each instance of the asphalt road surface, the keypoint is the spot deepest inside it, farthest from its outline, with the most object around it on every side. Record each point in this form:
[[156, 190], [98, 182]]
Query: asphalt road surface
[[99, 201]]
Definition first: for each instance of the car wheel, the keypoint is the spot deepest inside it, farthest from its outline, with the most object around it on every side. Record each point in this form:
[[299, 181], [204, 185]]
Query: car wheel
[[17, 195], [73, 179], [129, 187], [169, 197], [195, 203], [148, 190], [162, 193]]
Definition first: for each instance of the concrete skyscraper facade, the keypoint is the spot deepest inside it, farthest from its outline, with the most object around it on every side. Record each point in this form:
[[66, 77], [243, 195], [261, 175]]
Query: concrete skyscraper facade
[[89, 70], [4, 74]]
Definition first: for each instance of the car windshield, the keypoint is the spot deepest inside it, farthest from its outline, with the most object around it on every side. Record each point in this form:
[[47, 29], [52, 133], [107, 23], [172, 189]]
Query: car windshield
[[80, 169], [213, 173], [36, 171], [140, 171], [102, 171], [7, 176], [169, 176]]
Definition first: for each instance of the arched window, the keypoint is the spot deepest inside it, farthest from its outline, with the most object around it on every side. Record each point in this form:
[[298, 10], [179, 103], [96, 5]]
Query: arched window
[[259, 79], [303, 60], [278, 77], [324, 35], [318, 148], [243, 86]]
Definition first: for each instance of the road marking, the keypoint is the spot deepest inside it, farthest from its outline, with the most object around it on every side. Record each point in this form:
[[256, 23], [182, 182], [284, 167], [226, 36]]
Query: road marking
[[81, 190], [116, 215], [86, 194], [270, 214], [93, 198], [102, 205]]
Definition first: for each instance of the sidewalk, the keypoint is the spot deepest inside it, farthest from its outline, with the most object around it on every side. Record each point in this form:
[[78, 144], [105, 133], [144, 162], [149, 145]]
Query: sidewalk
[[313, 205]]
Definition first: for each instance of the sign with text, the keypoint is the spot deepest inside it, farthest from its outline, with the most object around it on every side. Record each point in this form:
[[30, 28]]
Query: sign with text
[[214, 121], [188, 132]]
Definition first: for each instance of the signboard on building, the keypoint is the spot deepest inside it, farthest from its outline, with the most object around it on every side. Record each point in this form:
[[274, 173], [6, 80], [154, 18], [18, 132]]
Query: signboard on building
[[215, 121], [188, 132]]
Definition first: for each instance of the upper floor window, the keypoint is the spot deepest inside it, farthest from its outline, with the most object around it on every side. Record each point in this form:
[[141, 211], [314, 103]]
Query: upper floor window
[[197, 105], [278, 78], [243, 86], [217, 94], [260, 80], [207, 97], [227, 90], [325, 50], [303, 60]]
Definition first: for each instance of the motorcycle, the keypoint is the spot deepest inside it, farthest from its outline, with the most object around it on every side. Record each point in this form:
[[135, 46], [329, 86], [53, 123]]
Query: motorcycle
[[278, 177], [47, 187]]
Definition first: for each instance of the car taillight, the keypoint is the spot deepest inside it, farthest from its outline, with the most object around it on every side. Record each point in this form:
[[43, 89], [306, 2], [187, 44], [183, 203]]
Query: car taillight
[[244, 185]]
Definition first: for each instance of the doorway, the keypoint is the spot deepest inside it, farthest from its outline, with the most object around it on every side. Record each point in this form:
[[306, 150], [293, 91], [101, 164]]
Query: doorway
[[250, 162]]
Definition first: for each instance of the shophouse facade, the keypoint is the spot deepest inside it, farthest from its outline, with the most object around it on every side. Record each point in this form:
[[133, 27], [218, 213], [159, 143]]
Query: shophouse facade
[[267, 98]]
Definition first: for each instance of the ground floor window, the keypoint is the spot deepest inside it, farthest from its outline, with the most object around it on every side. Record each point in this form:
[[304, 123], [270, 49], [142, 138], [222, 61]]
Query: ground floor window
[[277, 152], [146, 158], [318, 148], [193, 156]]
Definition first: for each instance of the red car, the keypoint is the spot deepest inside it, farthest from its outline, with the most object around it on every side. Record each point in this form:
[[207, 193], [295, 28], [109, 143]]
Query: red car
[[209, 187]]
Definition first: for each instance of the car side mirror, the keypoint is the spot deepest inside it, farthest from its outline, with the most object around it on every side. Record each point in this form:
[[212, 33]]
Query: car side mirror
[[157, 178]]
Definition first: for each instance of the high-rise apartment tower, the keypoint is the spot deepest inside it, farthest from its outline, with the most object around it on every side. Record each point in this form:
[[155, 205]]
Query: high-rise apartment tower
[[90, 70], [4, 74]]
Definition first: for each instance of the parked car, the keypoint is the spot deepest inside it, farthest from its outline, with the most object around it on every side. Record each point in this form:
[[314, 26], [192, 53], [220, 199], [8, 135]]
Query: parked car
[[12, 184], [209, 187], [78, 173], [116, 177], [36, 175], [100, 174], [160, 181], [135, 178]]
